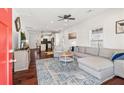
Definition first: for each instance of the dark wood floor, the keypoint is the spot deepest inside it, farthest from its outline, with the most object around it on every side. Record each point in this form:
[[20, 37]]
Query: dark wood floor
[[115, 81], [29, 77]]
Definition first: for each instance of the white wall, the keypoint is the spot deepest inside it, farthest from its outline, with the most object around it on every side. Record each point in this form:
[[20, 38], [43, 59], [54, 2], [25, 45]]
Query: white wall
[[58, 41], [16, 35], [34, 37], [106, 20]]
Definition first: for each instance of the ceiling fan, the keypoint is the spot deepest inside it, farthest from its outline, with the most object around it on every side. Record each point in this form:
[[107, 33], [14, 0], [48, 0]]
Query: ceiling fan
[[66, 17]]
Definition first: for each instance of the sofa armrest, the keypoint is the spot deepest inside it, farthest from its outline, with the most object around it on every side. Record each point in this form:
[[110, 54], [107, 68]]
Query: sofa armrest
[[119, 68]]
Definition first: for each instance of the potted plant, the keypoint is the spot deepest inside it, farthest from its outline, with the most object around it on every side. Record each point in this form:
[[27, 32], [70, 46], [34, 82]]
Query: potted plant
[[23, 39]]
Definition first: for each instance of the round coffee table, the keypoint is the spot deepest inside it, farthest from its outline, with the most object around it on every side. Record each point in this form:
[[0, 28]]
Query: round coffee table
[[66, 57]]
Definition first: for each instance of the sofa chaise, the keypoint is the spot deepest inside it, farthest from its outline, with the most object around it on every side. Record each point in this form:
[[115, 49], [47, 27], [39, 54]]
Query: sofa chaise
[[96, 61]]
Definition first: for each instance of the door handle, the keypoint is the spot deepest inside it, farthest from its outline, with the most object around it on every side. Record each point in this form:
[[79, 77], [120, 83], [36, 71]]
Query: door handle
[[12, 61], [11, 51]]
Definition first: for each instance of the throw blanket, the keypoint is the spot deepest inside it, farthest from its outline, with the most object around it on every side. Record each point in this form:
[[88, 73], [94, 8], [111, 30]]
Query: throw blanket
[[118, 56]]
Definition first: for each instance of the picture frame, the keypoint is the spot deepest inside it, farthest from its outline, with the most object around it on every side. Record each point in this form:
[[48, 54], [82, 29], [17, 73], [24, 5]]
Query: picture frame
[[119, 27], [72, 35], [18, 24]]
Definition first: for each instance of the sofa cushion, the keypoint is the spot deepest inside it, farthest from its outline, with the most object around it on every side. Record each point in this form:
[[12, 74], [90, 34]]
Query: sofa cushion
[[107, 53], [92, 51], [80, 55], [81, 49], [96, 63]]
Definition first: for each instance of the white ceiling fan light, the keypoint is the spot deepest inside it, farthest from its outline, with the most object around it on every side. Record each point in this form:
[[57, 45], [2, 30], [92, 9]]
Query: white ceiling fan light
[[66, 20]]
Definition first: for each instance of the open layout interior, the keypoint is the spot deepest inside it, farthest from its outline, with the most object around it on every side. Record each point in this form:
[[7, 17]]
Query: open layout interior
[[68, 46]]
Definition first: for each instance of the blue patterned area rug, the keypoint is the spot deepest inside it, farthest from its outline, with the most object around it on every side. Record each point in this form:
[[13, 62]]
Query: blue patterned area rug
[[52, 72]]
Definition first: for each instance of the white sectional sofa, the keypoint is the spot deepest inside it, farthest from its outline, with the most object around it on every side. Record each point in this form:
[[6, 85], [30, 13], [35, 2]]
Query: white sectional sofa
[[96, 61]]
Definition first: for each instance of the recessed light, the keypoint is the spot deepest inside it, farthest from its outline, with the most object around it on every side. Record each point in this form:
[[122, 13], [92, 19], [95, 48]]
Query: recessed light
[[51, 22], [89, 11]]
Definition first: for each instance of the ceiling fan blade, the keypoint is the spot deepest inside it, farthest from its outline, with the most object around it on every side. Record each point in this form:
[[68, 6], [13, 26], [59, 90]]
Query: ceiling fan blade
[[60, 19], [71, 18], [68, 15], [60, 16]]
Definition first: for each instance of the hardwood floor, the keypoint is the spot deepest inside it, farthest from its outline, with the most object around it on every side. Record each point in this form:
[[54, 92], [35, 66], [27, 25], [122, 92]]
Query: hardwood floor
[[115, 81], [29, 77]]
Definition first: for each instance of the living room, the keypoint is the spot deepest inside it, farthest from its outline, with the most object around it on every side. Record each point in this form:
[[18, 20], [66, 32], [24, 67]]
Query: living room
[[67, 46], [95, 32]]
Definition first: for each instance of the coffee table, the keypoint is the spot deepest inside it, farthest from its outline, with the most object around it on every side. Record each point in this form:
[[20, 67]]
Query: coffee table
[[66, 57]]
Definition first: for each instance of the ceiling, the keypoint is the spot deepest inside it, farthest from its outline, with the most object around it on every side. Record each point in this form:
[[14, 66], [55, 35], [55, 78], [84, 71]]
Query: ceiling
[[45, 19]]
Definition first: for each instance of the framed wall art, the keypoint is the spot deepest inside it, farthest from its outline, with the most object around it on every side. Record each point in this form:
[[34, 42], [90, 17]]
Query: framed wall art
[[72, 35], [119, 26], [17, 24]]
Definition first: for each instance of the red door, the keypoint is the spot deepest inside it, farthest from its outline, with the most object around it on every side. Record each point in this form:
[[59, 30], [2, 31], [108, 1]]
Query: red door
[[5, 46]]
